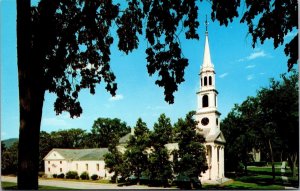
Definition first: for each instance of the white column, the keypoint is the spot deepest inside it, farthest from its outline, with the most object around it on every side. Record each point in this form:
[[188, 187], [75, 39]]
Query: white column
[[214, 162], [222, 175]]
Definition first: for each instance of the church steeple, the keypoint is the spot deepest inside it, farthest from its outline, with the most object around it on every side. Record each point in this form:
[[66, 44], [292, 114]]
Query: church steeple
[[207, 64]]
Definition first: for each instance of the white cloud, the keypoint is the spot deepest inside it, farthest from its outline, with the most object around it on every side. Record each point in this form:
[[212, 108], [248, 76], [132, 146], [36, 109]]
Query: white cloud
[[250, 77], [223, 75], [256, 54], [116, 97], [250, 66]]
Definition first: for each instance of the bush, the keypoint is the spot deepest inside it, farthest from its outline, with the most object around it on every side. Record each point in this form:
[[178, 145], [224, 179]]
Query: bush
[[72, 175], [84, 176], [41, 174], [54, 175], [62, 175], [94, 177]]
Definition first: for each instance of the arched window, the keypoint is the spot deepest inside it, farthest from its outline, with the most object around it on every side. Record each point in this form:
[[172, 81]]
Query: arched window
[[210, 81], [205, 81], [201, 82], [205, 101]]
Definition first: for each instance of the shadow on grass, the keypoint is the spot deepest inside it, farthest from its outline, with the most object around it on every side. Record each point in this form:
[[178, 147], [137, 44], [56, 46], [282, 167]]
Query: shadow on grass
[[13, 186]]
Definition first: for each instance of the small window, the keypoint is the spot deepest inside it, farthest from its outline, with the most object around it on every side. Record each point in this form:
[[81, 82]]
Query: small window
[[210, 80], [98, 167], [60, 162], [205, 101], [48, 169], [48, 162], [60, 169], [205, 81], [201, 82], [217, 121], [87, 166]]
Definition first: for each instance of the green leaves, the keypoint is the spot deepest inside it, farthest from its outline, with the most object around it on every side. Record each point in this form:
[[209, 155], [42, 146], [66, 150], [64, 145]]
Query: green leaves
[[190, 159]]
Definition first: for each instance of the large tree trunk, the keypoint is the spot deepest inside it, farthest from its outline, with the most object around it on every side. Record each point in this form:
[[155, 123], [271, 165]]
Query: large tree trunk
[[292, 159], [31, 97], [272, 159]]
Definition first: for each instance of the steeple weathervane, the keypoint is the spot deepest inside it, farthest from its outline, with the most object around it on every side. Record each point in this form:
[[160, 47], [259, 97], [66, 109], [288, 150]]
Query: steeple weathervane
[[206, 25]]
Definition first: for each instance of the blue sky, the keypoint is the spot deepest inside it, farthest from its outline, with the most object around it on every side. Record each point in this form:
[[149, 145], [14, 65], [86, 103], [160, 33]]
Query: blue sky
[[240, 72]]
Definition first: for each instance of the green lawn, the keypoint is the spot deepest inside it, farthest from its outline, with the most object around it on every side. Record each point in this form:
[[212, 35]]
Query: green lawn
[[258, 178], [13, 186]]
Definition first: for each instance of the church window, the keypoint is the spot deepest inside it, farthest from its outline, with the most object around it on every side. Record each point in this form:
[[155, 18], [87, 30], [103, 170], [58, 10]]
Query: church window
[[48, 169], [210, 80], [205, 101], [60, 169], [98, 167], [201, 82], [48, 162], [87, 166], [205, 81], [60, 162], [217, 121]]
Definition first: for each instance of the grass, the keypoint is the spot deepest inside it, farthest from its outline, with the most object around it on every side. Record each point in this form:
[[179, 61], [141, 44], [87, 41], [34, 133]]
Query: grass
[[258, 178], [13, 186], [102, 181]]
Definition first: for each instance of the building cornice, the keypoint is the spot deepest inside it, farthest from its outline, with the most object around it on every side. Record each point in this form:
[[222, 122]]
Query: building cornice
[[203, 91]]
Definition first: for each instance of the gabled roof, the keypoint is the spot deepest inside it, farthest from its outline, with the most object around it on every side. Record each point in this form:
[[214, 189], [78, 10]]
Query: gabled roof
[[125, 138], [80, 154]]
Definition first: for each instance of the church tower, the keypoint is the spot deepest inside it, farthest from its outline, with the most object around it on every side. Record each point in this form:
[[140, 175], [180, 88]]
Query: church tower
[[208, 117]]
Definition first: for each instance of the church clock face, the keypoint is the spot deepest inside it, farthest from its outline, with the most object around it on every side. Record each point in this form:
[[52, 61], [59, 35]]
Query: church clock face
[[204, 121]]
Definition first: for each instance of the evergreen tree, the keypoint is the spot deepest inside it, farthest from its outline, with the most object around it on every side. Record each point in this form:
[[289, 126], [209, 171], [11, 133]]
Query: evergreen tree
[[160, 167], [115, 162], [190, 159], [136, 155]]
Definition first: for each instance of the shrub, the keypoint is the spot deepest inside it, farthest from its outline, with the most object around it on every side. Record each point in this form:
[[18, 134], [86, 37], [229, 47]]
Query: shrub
[[84, 176], [41, 174], [71, 175], [54, 175], [62, 175], [94, 177]]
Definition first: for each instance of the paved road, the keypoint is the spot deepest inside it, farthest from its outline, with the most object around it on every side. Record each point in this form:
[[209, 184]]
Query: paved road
[[81, 185]]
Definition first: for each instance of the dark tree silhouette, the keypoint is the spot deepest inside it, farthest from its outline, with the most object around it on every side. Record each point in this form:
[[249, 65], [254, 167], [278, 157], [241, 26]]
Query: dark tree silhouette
[[64, 46]]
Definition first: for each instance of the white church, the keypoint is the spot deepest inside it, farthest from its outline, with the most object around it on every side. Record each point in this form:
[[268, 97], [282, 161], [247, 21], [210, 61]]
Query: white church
[[92, 160]]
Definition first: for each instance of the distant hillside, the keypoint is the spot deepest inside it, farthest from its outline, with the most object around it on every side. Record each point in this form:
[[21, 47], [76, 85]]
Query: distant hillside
[[10, 142]]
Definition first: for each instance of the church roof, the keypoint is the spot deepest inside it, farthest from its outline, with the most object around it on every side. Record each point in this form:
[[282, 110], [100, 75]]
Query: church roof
[[217, 137], [125, 138], [80, 154]]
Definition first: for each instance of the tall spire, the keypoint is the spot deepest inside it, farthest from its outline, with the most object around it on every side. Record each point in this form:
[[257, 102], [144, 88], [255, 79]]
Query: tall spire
[[206, 58]]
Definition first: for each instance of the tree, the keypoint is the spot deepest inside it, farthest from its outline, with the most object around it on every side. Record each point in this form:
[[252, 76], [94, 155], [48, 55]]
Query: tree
[[104, 131], [64, 47], [160, 167], [279, 109], [269, 121], [9, 159], [45, 146], [115, 161], [190, 160], [136, 154], [71, 138]]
